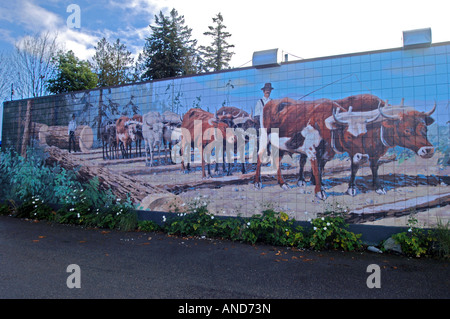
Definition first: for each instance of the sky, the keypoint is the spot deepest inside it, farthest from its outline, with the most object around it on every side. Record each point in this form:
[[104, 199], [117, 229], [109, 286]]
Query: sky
[[302, 29]]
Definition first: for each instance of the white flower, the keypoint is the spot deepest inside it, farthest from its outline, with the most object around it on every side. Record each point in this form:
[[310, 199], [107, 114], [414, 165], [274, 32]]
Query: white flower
[[324, 228], [315, 228], [212, 217], [410, 230], [323, 218], [78, 215], [328, 224], [164, 218], [248, 224]]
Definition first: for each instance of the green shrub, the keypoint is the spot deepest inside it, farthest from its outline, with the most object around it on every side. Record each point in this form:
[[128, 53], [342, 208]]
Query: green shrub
[[272, 228], [442, 239], [5, 209], [148, 226], [330, 232], [415, 242], [35, 208]]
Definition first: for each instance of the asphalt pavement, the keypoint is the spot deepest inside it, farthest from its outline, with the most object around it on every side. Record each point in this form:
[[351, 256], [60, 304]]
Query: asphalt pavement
[[35, 256]]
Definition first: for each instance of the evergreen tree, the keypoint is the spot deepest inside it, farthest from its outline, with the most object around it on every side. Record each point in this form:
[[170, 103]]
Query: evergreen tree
[[217, 56], [112, 63], [169, 51], [72, 74]]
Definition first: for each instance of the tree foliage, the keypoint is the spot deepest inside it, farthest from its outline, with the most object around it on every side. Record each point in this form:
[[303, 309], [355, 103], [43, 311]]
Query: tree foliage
[[217, 55], [169, 51], [72, 74], [112, 63]]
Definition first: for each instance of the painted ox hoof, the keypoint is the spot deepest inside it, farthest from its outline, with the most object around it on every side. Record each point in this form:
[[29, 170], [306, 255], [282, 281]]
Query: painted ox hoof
[[285, 187], [381, 191], [321, 195], [301, 183], [258, 185], [352, 190]]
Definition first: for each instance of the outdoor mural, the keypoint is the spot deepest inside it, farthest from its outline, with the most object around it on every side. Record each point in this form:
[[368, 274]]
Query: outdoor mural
[[368, 132]]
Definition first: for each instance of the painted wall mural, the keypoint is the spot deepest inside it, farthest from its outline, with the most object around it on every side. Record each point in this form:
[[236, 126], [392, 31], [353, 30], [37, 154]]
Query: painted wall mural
[[367, 131]]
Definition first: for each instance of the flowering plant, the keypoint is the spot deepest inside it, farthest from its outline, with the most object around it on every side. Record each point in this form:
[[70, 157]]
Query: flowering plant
[[329, 231], [415, 241]]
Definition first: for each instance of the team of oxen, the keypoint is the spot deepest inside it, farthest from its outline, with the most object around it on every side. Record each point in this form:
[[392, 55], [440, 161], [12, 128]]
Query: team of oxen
[[363, 126]]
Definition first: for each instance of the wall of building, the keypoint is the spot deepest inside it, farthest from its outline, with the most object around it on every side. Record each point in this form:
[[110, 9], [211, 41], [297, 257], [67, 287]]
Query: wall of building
[[417, 78]]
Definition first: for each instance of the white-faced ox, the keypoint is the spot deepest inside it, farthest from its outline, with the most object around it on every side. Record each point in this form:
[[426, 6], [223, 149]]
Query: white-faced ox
[[296, 127], [171, 132], [392, 126], [152, 132]]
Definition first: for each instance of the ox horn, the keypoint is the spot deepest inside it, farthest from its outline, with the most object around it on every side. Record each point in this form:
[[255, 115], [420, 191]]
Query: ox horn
[[432, 110], [336, 118], [385, 115], [375, 117]]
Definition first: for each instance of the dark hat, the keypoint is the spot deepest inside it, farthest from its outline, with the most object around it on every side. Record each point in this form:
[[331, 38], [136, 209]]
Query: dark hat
[[267, 86], [73, 115]]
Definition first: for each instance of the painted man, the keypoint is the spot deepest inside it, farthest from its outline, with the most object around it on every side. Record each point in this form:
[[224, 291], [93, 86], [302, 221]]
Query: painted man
[[71, 132], [267, 89]]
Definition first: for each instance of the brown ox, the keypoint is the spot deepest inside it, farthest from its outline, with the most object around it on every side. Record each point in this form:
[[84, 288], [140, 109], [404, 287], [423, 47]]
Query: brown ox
[[192, 138], [138, 132], [124, 135], [397, 126], [240, 121], [301, 129]]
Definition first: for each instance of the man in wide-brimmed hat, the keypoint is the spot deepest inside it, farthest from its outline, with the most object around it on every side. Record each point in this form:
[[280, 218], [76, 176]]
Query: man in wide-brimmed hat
[[267, 89], [71, 131]]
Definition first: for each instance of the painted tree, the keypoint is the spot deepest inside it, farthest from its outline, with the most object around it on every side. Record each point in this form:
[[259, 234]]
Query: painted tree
[[169, 51], [217, 55]]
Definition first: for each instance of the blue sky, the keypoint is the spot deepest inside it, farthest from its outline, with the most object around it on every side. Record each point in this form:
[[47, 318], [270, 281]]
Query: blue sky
[[304, 29], [300, 28]]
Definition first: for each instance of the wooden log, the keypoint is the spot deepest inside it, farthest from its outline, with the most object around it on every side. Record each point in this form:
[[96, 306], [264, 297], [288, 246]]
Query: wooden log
[[58, 136], [120, 184]]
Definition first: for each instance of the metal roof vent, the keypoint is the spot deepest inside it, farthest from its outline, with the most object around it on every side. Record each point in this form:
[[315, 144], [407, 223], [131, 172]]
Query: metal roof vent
[[267, 58], [417, 38]]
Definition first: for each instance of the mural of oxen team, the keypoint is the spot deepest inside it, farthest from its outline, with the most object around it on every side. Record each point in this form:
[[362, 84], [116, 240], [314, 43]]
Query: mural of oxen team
[[362, 126], [152, 130], [367, 131]]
